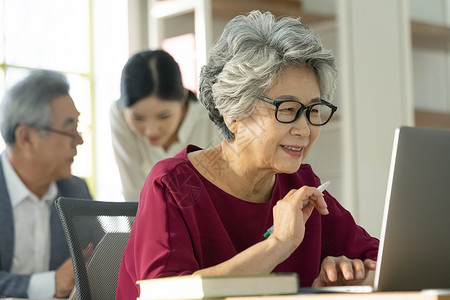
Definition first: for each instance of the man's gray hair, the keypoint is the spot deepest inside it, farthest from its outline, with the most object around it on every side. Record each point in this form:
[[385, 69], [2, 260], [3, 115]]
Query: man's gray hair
[[250, 55], [28, 102]]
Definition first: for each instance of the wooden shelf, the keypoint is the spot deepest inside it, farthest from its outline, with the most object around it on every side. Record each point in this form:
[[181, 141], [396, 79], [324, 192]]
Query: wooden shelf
[[428, 118], [430, 36], [228, 9], [424, 35]]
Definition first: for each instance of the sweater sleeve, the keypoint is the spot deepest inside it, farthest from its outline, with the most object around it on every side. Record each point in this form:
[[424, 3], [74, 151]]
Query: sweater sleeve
[[127, 155], [163, 234], [342, 236]]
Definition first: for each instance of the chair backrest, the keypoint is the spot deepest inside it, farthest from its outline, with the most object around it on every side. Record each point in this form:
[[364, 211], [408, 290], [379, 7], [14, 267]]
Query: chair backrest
[[97, 233]]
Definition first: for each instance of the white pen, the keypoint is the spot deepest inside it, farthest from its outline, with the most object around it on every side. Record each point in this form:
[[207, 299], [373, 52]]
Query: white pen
[[320, 188]]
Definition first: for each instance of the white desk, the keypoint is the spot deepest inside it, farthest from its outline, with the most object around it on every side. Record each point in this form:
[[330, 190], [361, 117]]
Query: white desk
[[368, 296]]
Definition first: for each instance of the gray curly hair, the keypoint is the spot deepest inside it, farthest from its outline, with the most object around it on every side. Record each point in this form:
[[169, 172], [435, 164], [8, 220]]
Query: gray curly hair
[[250, 55]]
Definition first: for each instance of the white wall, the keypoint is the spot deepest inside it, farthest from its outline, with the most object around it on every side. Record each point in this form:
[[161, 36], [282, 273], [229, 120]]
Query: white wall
[[110, 54]]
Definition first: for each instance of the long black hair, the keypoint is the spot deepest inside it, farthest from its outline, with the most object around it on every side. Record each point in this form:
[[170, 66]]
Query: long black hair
[[152, 72]]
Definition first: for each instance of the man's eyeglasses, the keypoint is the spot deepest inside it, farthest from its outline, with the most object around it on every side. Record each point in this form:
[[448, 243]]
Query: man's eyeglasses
[[288, 111], [72, 135]]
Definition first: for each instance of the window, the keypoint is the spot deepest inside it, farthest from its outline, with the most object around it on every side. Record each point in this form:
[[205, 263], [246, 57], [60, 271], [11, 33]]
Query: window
[[54, 35]]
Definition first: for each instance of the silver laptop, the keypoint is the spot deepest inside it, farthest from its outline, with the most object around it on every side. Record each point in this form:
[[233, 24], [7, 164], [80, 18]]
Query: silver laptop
[[415, 237], [414, 249]]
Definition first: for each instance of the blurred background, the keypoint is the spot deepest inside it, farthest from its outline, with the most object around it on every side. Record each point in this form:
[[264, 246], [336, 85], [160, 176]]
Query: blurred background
[[393, 60]]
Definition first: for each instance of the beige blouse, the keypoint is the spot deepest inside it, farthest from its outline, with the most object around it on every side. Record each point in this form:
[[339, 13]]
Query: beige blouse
[[135, 158]]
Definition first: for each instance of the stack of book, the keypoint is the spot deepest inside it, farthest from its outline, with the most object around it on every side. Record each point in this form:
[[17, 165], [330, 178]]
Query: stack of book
[[200, 287]]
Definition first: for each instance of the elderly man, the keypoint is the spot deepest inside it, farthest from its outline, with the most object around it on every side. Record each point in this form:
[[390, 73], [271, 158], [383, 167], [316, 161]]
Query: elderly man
[[38, 121]]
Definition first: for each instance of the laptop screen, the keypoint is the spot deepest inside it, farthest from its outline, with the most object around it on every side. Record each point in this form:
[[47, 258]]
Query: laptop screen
[[415, 238]]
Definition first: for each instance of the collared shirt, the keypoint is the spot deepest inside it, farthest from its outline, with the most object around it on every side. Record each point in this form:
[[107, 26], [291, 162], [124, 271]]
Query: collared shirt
[[31, 233]]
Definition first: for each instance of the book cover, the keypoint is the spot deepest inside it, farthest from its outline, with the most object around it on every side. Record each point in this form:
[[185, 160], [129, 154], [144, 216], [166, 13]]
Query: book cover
[[201, 287]]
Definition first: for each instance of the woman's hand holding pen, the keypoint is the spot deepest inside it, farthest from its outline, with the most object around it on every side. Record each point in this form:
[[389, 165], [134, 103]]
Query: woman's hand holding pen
[[291, 213]]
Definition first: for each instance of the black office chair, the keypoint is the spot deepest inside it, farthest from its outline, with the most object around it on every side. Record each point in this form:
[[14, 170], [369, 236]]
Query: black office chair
[[97, 233]]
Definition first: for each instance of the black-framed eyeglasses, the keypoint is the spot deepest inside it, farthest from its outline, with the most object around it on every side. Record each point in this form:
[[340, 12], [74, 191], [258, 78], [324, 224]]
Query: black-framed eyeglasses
[[72, 135], [288, 111]]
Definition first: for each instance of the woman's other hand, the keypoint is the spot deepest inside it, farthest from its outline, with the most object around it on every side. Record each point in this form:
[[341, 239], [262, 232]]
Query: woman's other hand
[[291, 213], [344, 271]]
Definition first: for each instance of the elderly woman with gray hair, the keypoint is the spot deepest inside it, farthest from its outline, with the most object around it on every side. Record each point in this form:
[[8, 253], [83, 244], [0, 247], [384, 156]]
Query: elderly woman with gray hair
[[268, 86]]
